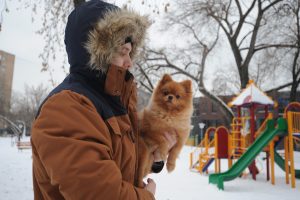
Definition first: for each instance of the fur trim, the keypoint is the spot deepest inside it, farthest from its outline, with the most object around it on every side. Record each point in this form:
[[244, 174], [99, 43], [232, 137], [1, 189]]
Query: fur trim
[[110, 32]]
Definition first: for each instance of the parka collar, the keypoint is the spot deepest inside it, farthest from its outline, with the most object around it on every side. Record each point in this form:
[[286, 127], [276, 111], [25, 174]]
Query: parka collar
[[116, 82], [117, 78]]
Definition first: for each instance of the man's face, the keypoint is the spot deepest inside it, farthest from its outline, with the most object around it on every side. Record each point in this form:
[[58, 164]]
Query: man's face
[[122, 58]]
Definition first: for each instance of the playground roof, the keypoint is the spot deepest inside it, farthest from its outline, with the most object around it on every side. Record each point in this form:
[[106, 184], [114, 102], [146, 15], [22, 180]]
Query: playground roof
[[252, 95]]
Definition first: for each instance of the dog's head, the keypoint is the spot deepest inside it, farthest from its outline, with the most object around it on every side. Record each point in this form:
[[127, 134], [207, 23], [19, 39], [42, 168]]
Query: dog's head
[[173, 96]]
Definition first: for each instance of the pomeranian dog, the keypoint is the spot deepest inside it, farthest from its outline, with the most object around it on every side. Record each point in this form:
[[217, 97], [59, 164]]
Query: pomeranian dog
[[169, 110]]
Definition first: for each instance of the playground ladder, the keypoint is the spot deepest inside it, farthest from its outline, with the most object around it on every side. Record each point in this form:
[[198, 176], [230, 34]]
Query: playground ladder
[[202, 153], [237, 140]]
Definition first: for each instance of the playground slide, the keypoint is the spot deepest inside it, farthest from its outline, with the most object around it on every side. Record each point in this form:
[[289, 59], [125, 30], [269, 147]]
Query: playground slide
[[280, 162], [245, 160]]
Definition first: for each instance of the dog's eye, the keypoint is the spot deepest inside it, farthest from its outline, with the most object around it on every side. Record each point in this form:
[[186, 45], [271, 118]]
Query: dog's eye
[[177, 96], [165, 93]]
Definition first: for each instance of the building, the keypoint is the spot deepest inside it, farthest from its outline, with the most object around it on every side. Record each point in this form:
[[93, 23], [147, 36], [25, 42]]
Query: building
[[205, 111], [6, 77]]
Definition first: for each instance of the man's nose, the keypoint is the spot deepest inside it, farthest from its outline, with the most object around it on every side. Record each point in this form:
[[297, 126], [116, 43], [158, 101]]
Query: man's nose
[[128, 63]]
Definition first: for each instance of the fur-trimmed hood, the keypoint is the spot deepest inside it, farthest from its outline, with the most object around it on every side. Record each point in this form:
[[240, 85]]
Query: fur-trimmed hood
[[95, 30]]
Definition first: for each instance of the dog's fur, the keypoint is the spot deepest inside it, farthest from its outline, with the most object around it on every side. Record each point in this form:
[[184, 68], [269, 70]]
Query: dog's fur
[[170, 110]]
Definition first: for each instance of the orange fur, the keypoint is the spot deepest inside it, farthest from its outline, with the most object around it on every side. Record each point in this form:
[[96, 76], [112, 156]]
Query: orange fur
[[170, 108]]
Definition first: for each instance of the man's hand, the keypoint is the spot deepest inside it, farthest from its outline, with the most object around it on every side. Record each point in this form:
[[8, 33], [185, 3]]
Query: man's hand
[[151, 186]]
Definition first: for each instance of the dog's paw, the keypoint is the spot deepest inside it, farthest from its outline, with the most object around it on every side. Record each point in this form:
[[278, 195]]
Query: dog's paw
[[170, 167]]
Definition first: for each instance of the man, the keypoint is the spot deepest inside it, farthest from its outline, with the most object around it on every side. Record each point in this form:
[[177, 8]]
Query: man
[[85, 136]]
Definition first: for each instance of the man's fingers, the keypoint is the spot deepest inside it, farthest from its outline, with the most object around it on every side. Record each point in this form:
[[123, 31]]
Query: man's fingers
[[150, 180], [171, 138]]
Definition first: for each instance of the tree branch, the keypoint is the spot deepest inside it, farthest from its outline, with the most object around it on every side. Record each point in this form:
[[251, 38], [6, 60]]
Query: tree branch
[[171, 65], [240, 43], [254, 35], [242, 18], [279, 87], [220, 23], [145, 75], [266, 46], [239, 8], [145, 86], [193, 32], [270, 5]]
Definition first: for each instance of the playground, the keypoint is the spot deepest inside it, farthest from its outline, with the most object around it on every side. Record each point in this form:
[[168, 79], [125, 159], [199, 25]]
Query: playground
[[276, 137]]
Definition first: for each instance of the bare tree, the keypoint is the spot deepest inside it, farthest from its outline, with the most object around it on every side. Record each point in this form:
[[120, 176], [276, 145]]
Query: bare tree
[[25, 106], [240, 21], [286, 17]]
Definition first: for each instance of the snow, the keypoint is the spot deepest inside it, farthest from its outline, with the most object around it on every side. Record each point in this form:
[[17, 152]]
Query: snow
[[182, 184], [15, 171], [252, 94]]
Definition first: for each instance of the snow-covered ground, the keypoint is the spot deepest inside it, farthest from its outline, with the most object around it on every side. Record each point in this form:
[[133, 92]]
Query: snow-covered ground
[[182, 184], [15, 172]]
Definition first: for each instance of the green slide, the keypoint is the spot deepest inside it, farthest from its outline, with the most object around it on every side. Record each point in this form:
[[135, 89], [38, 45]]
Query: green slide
[[267, 135], [280, 162]]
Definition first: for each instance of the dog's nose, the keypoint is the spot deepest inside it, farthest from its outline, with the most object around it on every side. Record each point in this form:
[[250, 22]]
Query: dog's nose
[[170, 97]]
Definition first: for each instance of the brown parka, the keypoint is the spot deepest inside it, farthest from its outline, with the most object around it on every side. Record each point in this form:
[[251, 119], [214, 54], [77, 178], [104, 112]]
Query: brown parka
[[85, 136]]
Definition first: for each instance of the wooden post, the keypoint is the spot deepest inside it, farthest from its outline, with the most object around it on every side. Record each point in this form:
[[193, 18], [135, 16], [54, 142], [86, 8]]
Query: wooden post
[[268, 151], [239, 128], [291, 148], [229, 151], [216, 165], [191, 160], [252, 133], [272, 163], [286, 160], [268, 164]]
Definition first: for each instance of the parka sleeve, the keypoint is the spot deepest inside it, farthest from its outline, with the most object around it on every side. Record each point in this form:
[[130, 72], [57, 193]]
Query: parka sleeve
[[74, 146]]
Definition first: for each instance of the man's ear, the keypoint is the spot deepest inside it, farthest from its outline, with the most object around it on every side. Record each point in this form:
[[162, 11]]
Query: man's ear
[[187, 84], [166, 78]]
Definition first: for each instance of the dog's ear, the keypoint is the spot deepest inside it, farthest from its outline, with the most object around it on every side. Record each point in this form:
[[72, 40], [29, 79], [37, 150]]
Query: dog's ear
[[166, 78], [187, 84]]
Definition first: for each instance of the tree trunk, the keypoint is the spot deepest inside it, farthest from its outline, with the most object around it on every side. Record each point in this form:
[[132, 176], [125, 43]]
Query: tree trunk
[[244, 76], [295, 74], [294, 91], [78, 2]]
